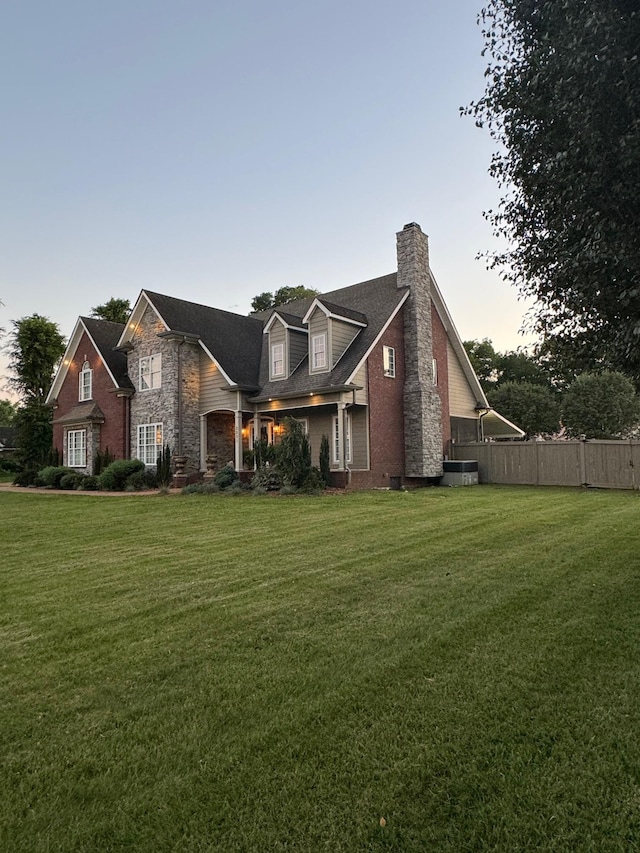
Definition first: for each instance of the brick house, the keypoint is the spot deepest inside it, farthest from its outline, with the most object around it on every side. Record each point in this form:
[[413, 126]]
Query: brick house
[[377, 367]]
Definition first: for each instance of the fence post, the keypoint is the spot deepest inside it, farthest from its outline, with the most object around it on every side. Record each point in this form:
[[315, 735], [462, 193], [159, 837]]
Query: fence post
[[583, 462]]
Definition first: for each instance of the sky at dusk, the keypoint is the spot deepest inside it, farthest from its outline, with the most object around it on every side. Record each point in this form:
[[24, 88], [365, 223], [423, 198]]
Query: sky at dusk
[[212, 150]]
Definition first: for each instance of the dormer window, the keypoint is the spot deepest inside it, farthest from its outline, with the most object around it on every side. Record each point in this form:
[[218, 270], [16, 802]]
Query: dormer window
[[150, 372], [319, 352], [85, 382], [277, 361]]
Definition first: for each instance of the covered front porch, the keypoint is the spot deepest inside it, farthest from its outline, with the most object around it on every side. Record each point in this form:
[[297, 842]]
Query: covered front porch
[[229, 437]]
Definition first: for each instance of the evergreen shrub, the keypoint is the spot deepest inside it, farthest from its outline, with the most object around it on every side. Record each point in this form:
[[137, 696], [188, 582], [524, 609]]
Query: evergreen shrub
[[53, 474], [114, 477]]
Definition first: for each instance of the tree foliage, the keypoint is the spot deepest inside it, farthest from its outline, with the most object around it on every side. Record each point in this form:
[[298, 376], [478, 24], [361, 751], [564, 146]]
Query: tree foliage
[[600, 405], [265, 301], [7, 412], [294, 454], [35, 347], [562, 101], [534, 408], [115, 310]]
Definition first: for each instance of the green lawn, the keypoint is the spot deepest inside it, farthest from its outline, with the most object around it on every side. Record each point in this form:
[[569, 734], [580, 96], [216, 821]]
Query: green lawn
[[278, 674]]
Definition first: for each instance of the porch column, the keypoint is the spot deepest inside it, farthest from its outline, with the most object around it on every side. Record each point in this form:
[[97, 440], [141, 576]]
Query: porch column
[[203, 442], [238, 442], [256, 426]]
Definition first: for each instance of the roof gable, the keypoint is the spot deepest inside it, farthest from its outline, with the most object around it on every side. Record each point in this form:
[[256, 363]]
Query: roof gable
[[104, 336], [234, 342]]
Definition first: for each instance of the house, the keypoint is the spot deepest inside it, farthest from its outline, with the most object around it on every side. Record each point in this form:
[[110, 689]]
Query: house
[[90, 395], [377, 367]]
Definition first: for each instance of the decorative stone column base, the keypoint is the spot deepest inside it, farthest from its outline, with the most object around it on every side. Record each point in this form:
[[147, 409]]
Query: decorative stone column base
[[180, 477], [212, 459]]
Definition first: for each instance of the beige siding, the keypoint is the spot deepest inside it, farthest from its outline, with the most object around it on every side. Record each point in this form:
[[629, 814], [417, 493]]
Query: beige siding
[[298, 344], [212, 395], [319, 425], [462, 401], [278, 335], [342, 334], [359, 440], [318, 325], [362, 397]]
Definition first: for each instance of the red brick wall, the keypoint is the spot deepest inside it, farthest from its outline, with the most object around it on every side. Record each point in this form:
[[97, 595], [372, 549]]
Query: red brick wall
[[112, 431], [386, 410], [440, 355]]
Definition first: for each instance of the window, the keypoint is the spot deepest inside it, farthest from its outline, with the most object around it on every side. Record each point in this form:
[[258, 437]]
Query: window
[[318, 352], [389, 361], [149, 443], [150, 372], [347, 440], [77, 448], [85, 381], [277, 360], [434, 367]]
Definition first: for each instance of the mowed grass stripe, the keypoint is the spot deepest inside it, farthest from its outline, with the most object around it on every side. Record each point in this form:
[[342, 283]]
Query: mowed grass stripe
[[274, 674]]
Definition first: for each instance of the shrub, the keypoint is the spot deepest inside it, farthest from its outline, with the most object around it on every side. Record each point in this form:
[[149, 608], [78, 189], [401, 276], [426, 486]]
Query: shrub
[[53, 474], [163, 467], [325, 468], [114, 477], [226, 477], [71, 481], [139, 481], [314, 483], [267, 478], [102, 460], [294, 453], [9, 465], [89, 483], [264, 453], [201, 489], [28, 477]]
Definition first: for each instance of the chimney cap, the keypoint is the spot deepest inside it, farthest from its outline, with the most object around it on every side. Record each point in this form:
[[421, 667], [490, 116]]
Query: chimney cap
[[412, 225]]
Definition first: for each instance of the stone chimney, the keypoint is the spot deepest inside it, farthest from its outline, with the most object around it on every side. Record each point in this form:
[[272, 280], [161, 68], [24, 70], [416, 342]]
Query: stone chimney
[[422, 405]]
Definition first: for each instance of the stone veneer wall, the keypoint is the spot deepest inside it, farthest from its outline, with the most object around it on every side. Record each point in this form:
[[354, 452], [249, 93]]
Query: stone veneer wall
[[422, 405], [181, 430]]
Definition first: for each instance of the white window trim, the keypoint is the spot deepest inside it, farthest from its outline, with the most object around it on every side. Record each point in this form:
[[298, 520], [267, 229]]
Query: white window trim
[[434, 368], [85, 389], [315, 364], [146, 449], [77, 448], [389, 361], [347, 440], [277, 374], [153, 363]]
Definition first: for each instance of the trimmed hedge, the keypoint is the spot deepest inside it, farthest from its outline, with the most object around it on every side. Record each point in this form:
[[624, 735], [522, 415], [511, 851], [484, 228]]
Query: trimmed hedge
[[114, 477], [52, 475]]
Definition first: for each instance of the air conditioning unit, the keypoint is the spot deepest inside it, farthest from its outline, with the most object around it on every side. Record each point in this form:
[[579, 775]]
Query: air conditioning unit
[[460, 472]]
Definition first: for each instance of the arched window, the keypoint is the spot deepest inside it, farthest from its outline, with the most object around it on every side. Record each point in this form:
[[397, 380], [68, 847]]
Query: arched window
[[86, 377]]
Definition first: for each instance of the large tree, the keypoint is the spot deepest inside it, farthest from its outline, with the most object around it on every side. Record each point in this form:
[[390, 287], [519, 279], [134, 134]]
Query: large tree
[[115, 310], [563, 103], [35, 348], [266, 300], [534, 408], [600, 405], [7, 412]]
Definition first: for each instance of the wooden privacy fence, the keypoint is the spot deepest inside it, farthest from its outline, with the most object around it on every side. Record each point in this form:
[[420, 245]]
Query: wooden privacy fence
[[601, 464]]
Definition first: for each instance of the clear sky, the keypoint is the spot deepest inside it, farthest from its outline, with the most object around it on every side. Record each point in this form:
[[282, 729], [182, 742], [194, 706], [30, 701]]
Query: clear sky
[[212, 150]]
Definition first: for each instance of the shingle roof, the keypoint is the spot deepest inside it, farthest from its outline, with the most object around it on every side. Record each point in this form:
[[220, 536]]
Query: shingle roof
[[106, 335], [341, 311], [233, 340], [82, 413]]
